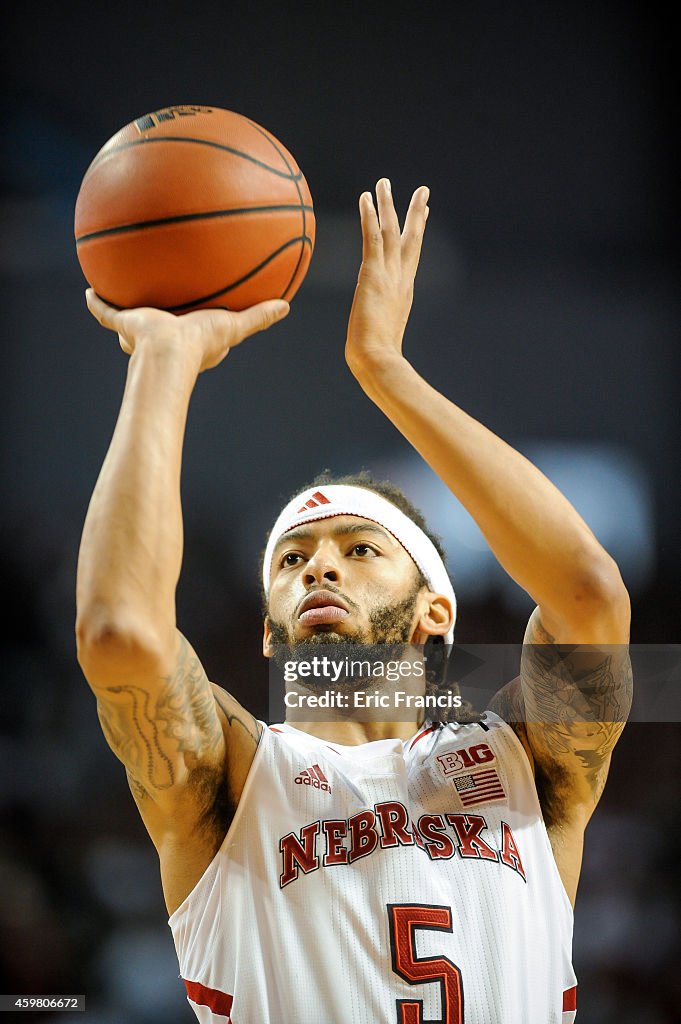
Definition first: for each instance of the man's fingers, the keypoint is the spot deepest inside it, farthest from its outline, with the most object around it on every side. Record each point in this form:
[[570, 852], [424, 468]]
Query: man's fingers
[[390, 225], [101, 311], [259, 317], [372, 240], [414, 226]]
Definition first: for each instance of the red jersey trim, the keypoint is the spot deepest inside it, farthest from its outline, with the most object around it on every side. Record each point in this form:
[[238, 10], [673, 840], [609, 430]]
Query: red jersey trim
[[570, 998], [282, 732], [421, 735], [218, 1002]]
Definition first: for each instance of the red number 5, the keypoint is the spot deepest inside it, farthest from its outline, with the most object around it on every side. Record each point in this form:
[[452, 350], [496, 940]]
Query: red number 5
[[404, 919]]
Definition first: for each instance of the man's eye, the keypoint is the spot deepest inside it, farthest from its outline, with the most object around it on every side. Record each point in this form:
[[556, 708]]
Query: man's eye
[[290, 559], [363, 550]]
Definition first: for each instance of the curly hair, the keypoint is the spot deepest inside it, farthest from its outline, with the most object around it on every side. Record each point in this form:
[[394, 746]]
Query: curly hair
[[435, 650]]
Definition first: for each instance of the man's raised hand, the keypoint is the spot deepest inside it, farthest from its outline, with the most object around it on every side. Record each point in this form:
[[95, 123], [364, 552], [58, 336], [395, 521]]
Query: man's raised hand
[[385, 287], [206, 334]]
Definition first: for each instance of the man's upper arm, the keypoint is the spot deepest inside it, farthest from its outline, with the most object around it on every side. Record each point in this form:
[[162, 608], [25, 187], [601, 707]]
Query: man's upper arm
[[185, 743], [576, 699]]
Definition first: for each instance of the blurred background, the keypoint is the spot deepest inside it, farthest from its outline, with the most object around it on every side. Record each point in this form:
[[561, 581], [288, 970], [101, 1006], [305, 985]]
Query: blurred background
[[546, 305]]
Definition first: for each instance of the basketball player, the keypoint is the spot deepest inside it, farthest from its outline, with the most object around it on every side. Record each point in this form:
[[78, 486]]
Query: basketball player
[[349, 871]]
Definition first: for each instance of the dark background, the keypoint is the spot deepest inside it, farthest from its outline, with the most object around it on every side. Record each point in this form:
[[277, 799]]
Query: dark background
[[546, 305]]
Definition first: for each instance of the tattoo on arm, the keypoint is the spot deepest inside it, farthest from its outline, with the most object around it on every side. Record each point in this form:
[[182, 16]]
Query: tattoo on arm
[[147, 730], [134, 736], [136, 788], [576, 701]]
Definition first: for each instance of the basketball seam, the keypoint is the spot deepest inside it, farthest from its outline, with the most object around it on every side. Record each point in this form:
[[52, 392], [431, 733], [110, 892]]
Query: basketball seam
[[200, 142], [183, 217], [304, 235], [183, 307]]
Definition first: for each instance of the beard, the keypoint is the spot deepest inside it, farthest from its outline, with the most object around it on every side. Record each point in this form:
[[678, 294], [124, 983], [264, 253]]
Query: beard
[[387, 638]]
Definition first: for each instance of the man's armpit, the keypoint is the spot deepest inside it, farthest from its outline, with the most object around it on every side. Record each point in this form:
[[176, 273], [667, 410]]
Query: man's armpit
[[551, 779]]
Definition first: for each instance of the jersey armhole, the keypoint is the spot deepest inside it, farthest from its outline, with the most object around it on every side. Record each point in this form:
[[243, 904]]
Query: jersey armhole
[[508, 729]]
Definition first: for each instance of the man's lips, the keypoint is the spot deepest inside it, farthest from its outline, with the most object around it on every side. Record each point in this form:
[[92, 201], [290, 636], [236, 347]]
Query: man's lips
[[323, 615], [321, 608]]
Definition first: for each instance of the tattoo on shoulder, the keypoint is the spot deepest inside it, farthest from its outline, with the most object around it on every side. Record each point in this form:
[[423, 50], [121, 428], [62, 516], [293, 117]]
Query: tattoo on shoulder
[[240, 719]]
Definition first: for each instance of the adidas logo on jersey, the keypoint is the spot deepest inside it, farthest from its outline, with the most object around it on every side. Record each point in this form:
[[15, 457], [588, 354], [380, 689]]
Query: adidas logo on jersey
[[314, 777], [317, 499]]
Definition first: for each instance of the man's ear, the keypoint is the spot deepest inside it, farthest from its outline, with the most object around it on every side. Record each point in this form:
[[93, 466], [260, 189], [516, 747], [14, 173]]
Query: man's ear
[[267, 646], [436, 618]]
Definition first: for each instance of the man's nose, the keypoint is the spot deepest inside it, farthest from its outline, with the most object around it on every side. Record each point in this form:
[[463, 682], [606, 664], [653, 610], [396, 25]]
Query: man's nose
[[322, 568]]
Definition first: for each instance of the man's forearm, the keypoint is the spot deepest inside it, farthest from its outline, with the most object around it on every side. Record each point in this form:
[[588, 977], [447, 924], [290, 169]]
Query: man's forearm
[[131, 549], [533, 530]]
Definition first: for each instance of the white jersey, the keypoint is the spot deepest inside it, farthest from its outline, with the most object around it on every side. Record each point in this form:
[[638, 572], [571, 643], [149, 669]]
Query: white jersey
[[388, 883]]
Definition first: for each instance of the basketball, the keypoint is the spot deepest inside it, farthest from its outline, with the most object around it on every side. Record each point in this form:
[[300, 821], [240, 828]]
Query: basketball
[[191, 207]]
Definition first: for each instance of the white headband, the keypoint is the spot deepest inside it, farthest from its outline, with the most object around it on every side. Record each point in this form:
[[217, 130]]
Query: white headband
[[343, 500]]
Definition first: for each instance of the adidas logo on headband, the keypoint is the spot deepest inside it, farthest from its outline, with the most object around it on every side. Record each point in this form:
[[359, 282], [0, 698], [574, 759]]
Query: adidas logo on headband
[[316, 499]]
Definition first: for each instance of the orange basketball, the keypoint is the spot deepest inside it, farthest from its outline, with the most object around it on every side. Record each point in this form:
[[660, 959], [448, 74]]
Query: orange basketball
[[190, 207]]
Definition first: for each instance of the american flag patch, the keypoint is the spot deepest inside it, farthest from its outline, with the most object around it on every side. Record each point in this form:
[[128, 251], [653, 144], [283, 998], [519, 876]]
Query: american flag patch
[[481, 788]]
